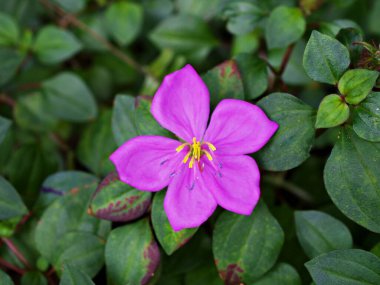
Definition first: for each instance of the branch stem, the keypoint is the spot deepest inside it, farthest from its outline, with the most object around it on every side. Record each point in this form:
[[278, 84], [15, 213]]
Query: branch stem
[[8, 265], [12, 247]]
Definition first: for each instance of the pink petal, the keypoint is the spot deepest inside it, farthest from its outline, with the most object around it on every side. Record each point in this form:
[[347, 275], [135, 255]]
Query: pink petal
[[182, 104], [234, 182], [238, 127], [147, 162], [187, 202]]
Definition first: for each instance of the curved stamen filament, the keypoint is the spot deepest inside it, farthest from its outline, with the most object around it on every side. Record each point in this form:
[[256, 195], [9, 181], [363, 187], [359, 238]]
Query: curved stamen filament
[[196, 151]]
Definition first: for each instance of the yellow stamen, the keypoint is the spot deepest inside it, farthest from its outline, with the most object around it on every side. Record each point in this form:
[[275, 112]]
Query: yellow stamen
[[191, 163], [186, 158], [181, 147], [195, 151], [211, 146], [208, 155]]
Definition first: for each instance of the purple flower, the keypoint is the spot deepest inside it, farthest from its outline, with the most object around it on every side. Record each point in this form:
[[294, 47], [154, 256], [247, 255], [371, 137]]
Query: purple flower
[[210, 167]]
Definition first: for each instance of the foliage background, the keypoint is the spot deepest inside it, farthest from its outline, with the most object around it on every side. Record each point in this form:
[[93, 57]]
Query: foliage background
[[76, 80]]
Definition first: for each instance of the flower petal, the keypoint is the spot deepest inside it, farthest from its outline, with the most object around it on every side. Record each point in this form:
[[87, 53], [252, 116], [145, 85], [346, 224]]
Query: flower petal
[[147, 162], [234, 182], [238, 127], [187, 202], [182, 104]]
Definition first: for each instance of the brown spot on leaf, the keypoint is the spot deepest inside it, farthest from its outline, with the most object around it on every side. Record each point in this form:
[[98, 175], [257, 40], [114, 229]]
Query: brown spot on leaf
[[232, 274], [152, 254], [229, 68]]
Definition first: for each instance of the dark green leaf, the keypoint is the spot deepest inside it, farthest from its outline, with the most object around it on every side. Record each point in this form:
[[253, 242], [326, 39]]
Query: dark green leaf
[[185, 34], [283, 274], [296, 132], [325, 59], [131, 117], [73, 6], [246, 247], [224, 81], [32, 108], [11, 204], [254, 74], [132, 255], [356, 84], [69, 98], [351, 178], [168, 238], [118, 202], [4, 127], [284, 27], [97, 144], [10, 60], [204, 9], [333, 111], [9, 31], [124, 21], [203, 275], [345, 267], [5, 279], [54, 45], [294, 73], [72, 276], [33, 278], [367, 118], [320, 233]]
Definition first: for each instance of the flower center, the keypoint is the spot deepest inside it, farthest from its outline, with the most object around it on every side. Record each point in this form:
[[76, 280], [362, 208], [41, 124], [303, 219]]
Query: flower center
[[196, 150]]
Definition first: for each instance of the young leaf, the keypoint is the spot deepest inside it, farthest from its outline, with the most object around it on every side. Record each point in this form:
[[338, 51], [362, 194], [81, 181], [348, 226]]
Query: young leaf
[[118, 202], [296, 132], [325, 59], [73, 276], [356, 84], [320, 233], [9, 31], [254, 75], [283, 274], [345, 267], [168, 238], [223, 81], [367, 118], [54, 45], [69, 98], [332, 112], [124, 21], [350, 177], [285, 26], [246, 247], [4, 127], [33, 278], [11, 204], [131, 262]]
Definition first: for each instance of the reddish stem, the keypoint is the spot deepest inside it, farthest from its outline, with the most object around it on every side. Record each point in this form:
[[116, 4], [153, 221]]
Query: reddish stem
[[16, 251], [8, 265]]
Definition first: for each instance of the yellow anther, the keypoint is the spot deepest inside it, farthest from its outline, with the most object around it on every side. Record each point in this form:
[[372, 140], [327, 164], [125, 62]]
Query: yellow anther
[[186, 158], [211, 146], [209, 156], [191, 163], [181, 147]]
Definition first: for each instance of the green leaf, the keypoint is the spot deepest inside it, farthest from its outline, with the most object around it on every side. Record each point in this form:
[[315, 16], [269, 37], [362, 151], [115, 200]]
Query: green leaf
[[352, 180], [131, 262], [72, 6], [254, 74], [33, 278], [4, 127], [118, 202], [5, 279], [206, 274], [325, 58], [131, 117], [124, 21], [283, 274], [69, 98], [246, 247], [224, 81], [185, 34], [345, 267], [54, 45], [11, 204], [203, 9], [169, 239], [333, 111], [320, 233], [10, 60], [367, 118], [243, 16], [356, 84], [97, 144], [9, 31], [8, 227], [296, 132], [66, 233], [285, 26], [72, 276], [32, 108]]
